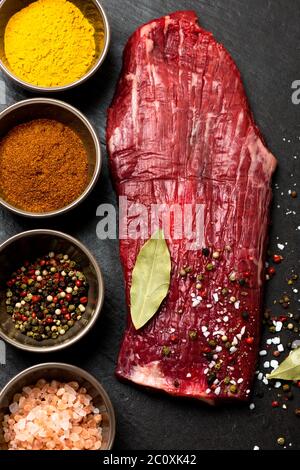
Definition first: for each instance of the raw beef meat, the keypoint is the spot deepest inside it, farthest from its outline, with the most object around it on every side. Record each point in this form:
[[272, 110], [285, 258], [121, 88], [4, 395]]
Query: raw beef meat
[[180, 132]]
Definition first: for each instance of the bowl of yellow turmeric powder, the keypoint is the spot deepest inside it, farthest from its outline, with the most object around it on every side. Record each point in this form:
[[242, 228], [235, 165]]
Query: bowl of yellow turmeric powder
[[52, 45]]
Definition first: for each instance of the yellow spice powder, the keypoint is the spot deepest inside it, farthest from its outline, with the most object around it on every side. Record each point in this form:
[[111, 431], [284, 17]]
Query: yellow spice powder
[[50, 43]]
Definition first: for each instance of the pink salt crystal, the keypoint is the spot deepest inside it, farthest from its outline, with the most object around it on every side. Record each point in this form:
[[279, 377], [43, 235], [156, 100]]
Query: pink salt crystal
[[97, 445], [88, 444], [40, 383], [70, 389], [74, 385], [14, 407], [47, 423], [74, 437]]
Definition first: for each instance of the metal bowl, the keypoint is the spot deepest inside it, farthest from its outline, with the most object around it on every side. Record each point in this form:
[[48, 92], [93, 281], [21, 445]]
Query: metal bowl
[[64, 373], [46, 108], [30, 245], [92, 9]]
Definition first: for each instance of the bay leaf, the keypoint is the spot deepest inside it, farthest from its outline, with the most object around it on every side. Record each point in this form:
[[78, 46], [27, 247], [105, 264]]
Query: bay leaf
[[289, 369], [150, 279]]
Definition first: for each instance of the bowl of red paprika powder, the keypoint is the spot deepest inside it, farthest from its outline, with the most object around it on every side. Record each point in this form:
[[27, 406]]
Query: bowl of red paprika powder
[[51, 291], [50, 158]]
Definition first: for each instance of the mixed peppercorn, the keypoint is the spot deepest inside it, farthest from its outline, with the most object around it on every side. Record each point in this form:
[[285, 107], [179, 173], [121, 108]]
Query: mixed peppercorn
[[46, 297]]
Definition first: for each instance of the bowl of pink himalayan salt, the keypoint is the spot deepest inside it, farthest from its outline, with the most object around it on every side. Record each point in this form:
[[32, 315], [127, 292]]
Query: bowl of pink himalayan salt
[[55, 406]]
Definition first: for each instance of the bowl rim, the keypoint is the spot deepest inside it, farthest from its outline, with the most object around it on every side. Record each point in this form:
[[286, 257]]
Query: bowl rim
[[89, 74], [77, 371], [98, 308], [98, 164]]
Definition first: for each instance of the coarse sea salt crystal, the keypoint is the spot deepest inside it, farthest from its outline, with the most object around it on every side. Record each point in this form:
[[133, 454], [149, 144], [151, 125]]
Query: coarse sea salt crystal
[[260, 376], [225, 319], [256, 448], [251, 406], [278, 326], [280, 348], [204, 328], [218, 332], [276, 340], [265, 381], [280, 246], [277, 384], [206, 334], [274, 364], [232, 350], [215, 297], [237, 304], [240, 381], [267, 364], [208, 391], [206, 371], [218, 390], [218, 349], [263, 352]]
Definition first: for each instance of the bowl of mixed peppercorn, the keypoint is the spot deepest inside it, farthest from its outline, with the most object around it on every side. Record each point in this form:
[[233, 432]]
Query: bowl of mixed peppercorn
[[51, 290]]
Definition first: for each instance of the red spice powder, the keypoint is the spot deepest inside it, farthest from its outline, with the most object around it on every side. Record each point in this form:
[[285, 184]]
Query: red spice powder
[[43, 166]]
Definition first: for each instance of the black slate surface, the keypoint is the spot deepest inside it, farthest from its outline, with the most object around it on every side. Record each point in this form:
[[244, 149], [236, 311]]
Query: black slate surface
[[263, 38]]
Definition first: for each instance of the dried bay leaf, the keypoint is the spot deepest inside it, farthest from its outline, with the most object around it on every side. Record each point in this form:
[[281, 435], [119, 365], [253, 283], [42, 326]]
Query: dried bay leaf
[[289, 369], [150, 279]]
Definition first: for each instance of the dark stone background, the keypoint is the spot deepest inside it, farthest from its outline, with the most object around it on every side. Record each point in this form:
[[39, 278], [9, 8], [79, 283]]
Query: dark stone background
[[263, 38]]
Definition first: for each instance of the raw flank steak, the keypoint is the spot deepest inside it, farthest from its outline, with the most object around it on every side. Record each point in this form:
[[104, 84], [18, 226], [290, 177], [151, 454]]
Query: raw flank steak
[[180, 131]]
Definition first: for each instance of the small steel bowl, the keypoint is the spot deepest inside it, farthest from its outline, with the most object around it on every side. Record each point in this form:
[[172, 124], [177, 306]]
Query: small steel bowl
[[29, 246], [92, 9], [63, 373], [47, 108]]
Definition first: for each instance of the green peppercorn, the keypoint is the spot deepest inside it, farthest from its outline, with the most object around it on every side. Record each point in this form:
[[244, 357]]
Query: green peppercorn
[[193, 334], [166, 351], [233, 388], [210, 267], [281, 441]]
